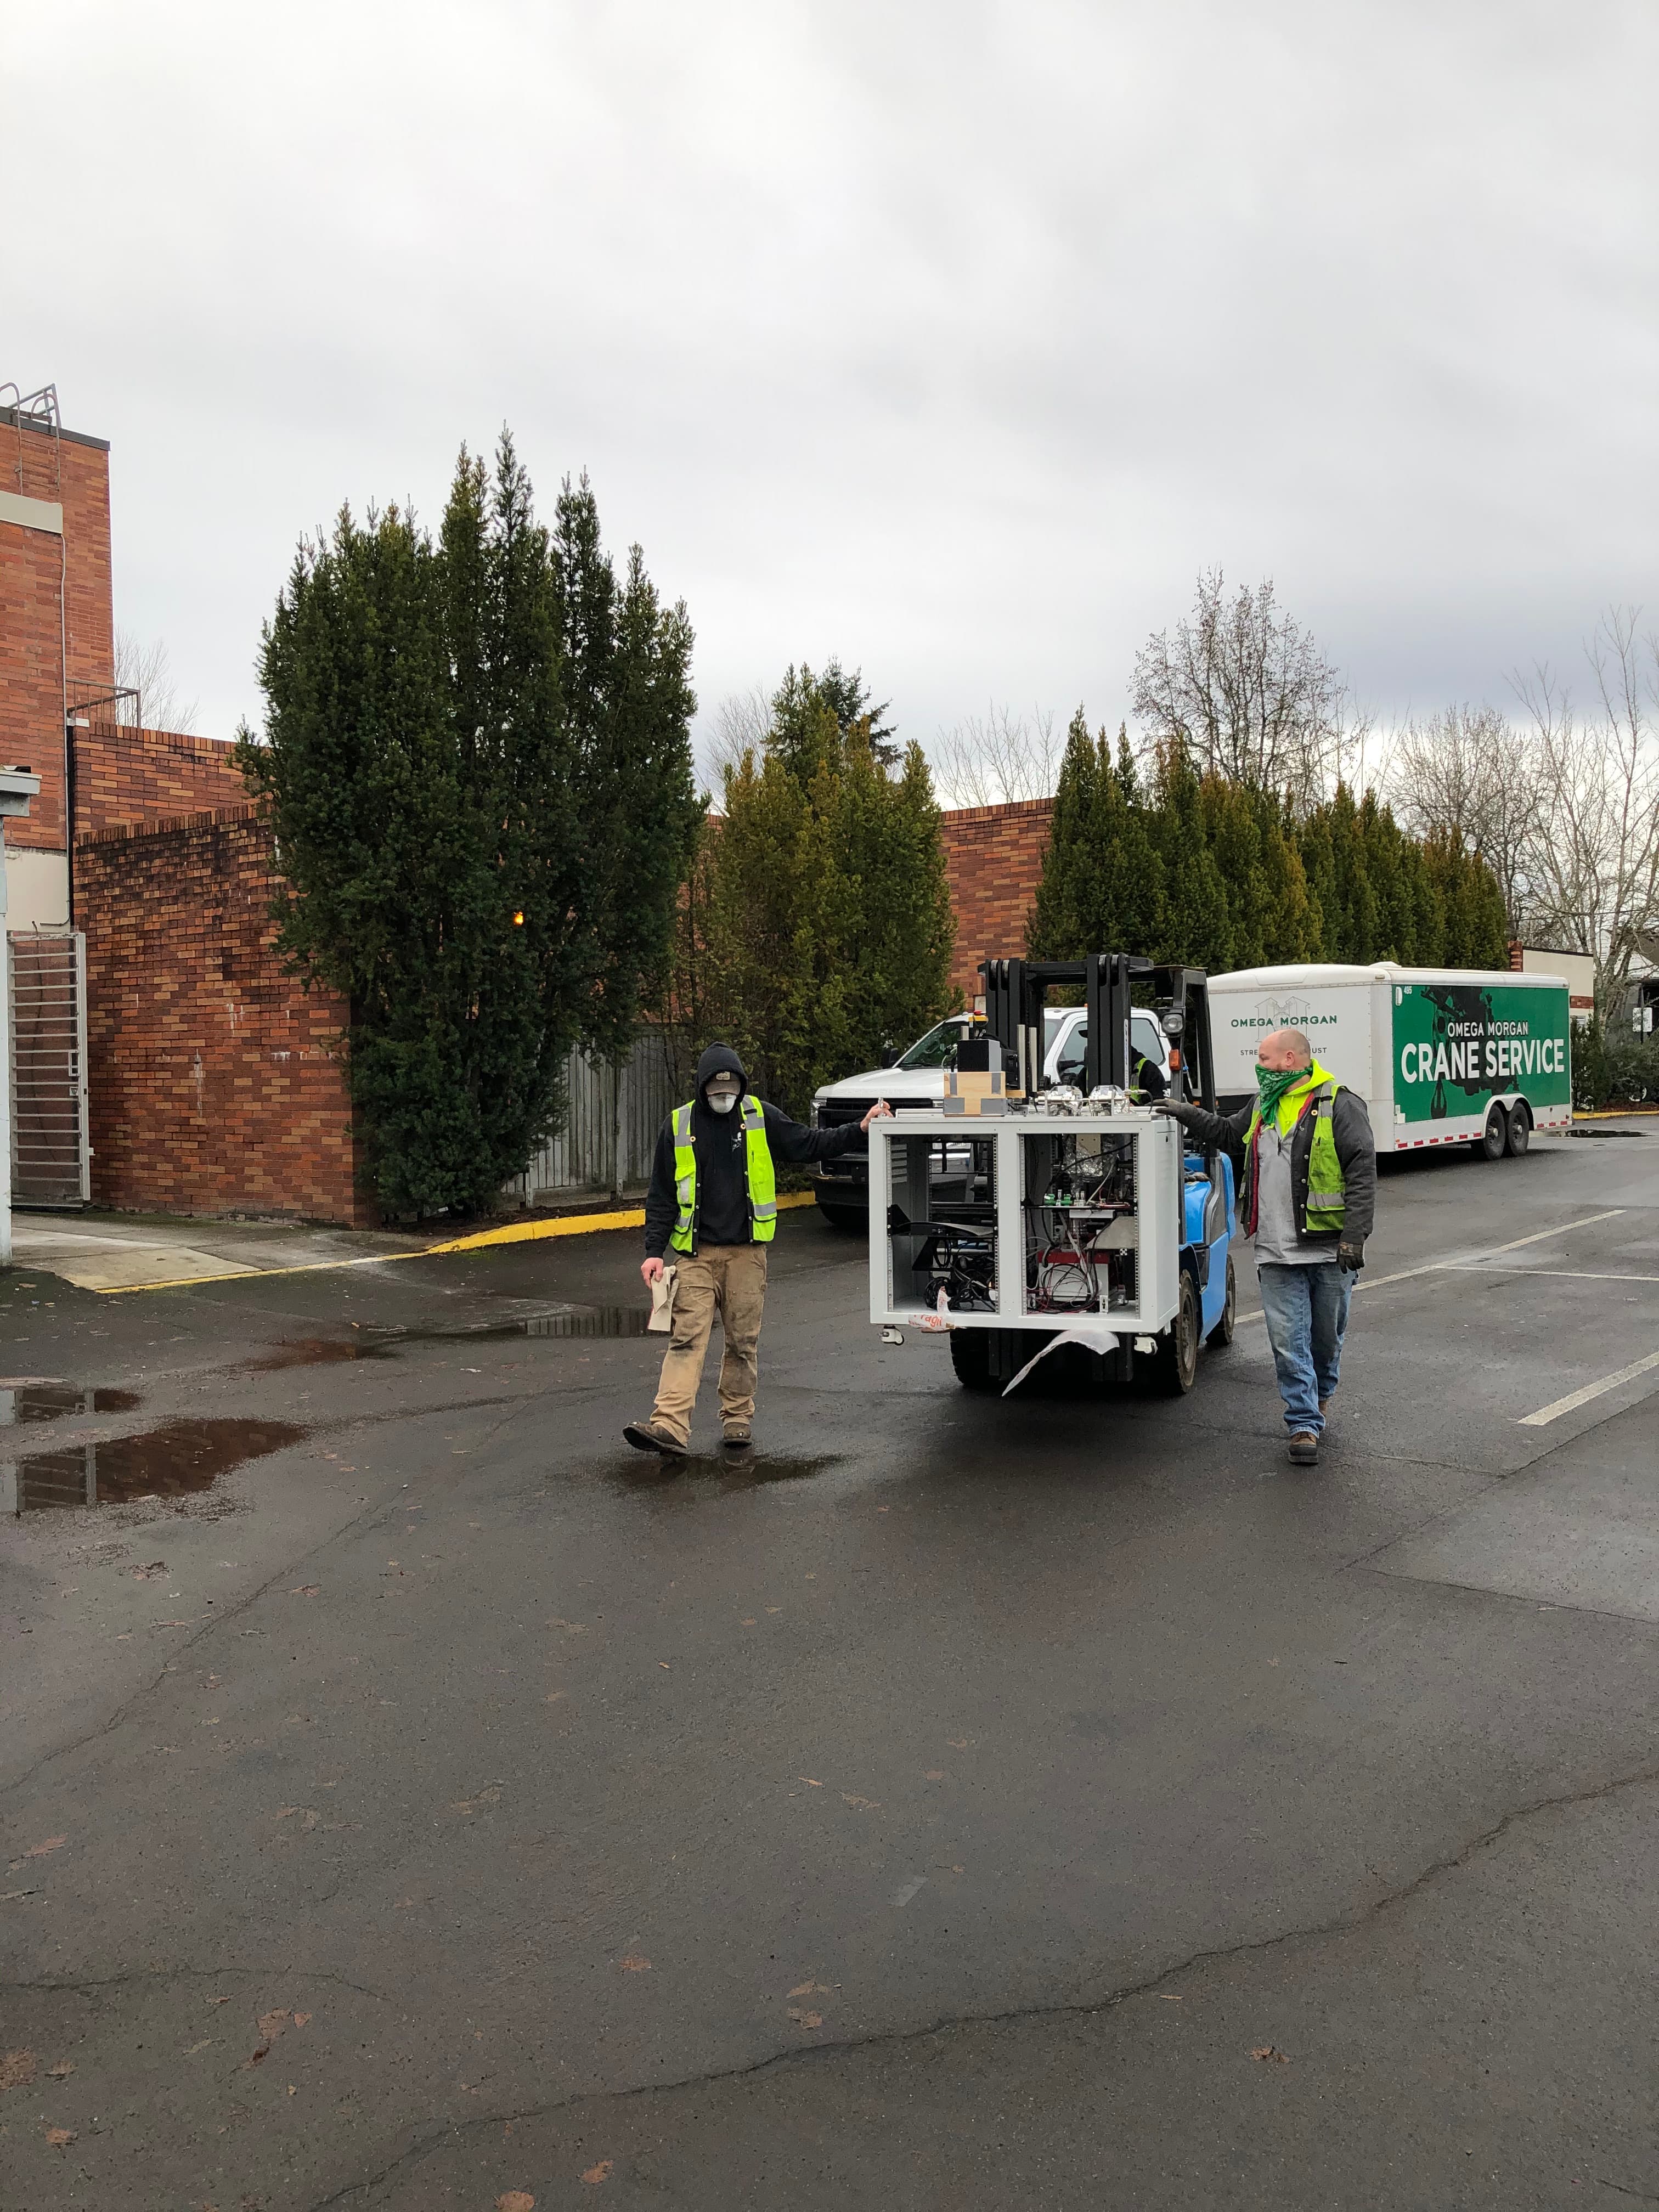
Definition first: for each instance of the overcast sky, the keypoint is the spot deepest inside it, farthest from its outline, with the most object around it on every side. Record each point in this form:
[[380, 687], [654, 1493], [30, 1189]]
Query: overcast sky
[[952, 339]]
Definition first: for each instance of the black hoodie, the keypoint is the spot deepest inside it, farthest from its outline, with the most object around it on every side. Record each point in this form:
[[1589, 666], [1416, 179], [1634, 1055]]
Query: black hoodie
[[722, 1187]]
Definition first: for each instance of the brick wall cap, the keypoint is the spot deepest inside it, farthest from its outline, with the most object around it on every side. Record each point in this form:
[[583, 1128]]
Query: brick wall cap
[[952, 818], [32, 430], [172, 825]]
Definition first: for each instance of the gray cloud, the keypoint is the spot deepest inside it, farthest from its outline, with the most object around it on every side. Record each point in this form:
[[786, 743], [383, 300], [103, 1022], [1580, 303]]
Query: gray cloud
[[952, 338]]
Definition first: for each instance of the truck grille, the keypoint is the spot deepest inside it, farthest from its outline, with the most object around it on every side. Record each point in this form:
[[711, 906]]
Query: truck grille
[[835, 1114]]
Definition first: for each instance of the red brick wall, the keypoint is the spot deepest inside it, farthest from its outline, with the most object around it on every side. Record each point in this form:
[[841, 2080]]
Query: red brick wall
[[993, 858], [212, 1088], [35, 656], [137, 776]]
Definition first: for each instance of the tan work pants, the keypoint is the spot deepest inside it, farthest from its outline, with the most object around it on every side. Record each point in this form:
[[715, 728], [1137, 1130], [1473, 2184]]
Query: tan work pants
[[729, 1279]]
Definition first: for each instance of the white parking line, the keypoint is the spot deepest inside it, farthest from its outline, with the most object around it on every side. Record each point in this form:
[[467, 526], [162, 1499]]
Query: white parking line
[[1446, 1266], [1574, 1399], [1552, 1274]]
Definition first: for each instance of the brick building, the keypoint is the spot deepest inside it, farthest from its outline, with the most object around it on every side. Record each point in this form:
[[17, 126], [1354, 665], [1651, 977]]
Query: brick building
[[57, 633], [212, 1082], [993, 862]]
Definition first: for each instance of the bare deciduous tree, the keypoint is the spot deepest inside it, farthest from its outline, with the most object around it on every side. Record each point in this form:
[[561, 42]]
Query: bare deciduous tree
[[1469, 774], [1593, 863], [1248, 692], [147, 671], [742, 723], [991, 760]]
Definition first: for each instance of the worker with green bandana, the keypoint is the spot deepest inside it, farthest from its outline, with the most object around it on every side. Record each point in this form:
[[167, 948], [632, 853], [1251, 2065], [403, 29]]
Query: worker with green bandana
[[1308, 1192]]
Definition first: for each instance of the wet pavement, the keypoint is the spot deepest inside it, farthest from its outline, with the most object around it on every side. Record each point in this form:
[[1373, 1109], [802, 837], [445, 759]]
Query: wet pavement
[[414, 1797]]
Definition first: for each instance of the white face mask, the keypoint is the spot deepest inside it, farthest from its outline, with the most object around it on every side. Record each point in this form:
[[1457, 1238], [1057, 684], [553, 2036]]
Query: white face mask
[[722, 1102]]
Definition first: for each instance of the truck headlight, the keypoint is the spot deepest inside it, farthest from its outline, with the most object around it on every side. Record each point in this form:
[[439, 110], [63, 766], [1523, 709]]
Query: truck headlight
[[812, 1119]]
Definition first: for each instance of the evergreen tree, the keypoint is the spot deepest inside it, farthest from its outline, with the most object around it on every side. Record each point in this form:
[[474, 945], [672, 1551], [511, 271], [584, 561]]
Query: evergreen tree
[[646, 813], [760, 976], [848, 699], [1062, 911], [1332, 836], [889, 928], [1476, 930], [1385, 847], [1197, 928], [1291, 920], [829, 929], [805, 735], [1102, 885], [450, 757]]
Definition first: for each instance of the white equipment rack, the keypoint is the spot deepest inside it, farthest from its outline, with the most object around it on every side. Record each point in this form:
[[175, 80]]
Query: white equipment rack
[[948, 1168]]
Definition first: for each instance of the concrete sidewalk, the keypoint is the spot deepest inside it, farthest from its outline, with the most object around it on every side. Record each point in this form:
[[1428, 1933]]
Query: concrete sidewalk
[[125, 1251], [119, 1252]]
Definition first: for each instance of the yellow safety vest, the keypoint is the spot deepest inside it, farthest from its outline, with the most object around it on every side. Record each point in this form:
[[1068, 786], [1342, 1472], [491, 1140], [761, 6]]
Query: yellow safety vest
[[1327, 1189], [758, 1174]]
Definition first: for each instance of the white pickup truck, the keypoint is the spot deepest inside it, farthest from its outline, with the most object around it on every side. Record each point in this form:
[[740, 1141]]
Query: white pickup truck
[[917, 1080]]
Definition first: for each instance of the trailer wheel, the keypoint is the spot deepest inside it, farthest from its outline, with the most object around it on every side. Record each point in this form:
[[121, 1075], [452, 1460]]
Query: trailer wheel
[[1493, 1139], [1222, 1334], [1520, 1128], [971, 1356], [1174, 1364]]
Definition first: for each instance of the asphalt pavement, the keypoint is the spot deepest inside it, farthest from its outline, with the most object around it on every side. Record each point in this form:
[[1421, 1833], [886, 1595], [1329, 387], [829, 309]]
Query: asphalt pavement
[[415, 1798]]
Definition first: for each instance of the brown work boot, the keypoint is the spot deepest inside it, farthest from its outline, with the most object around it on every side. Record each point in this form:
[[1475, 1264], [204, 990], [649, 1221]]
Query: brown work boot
[[1325, 1405], [738, 1436], [1304, 1450], [652, 1437]]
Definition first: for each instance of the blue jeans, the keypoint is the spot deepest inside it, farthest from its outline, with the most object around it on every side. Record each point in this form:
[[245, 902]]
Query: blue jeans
[[1306, 1311]]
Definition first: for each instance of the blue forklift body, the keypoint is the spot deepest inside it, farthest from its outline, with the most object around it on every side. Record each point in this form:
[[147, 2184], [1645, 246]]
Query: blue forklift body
[[1212, 1224]]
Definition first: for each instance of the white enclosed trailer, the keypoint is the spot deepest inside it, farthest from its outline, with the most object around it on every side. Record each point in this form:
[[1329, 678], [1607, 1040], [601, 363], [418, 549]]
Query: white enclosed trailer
[[1440, 1055]]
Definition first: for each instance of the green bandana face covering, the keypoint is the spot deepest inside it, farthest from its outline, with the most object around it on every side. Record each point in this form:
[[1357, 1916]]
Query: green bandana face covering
[[1272, 1084]]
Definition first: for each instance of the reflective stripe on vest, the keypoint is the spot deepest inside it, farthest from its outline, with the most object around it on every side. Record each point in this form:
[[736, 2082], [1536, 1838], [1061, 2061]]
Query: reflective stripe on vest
[[1327, 1207], [758, 1174], [1327, 1187]]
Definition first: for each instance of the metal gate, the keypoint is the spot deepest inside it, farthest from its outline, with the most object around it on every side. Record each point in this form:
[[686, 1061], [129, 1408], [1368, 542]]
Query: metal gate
[[50, 1164]]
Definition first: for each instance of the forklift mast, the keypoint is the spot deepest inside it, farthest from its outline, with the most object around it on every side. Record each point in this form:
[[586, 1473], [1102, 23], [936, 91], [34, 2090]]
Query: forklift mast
[[1015, 990]]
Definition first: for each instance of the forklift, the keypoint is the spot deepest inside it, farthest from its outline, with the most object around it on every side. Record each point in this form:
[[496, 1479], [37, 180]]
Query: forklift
[[1084, 1227]]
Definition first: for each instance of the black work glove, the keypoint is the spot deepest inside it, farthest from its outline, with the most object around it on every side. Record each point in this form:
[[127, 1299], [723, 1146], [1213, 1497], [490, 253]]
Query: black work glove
[[1176, 1110], [1351, 1253]]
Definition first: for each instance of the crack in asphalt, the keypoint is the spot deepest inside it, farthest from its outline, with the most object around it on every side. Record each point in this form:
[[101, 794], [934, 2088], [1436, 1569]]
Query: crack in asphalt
[[820, 2053], [114, 1720], [306, 1976]]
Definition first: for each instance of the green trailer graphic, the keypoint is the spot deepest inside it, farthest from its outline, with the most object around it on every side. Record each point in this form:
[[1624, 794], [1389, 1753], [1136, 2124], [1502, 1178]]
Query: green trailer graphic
[[1456, 1047]]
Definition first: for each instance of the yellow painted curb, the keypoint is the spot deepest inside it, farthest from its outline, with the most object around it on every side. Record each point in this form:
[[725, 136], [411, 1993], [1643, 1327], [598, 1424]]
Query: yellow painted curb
[[572, 1224], [513, 1233], [1616, 1113]]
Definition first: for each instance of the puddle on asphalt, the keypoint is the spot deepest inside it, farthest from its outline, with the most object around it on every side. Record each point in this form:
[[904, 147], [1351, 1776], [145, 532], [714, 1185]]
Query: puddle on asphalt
[[316, 1352], [587, 1321], [379, 1343], [173, 1461], [51, 1401], [729, 1471]]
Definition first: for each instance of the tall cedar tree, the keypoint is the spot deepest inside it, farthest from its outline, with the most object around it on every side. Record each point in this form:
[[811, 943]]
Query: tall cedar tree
[[1212, 872], [1102, 883], [458, 736], [817, 926]]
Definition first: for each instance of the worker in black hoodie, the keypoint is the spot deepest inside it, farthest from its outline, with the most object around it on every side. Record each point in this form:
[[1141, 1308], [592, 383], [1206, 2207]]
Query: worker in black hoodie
[[712, 1210]]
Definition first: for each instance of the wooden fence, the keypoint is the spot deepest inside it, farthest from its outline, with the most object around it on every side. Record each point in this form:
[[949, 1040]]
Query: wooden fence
[[606, 1104]]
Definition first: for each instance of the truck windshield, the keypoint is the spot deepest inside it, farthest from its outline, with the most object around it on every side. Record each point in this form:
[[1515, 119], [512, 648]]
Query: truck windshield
[[1142, 1036], [938, 1048]]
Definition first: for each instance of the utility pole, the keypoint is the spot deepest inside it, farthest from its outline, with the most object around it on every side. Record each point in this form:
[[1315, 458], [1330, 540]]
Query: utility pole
[[17, 787]]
